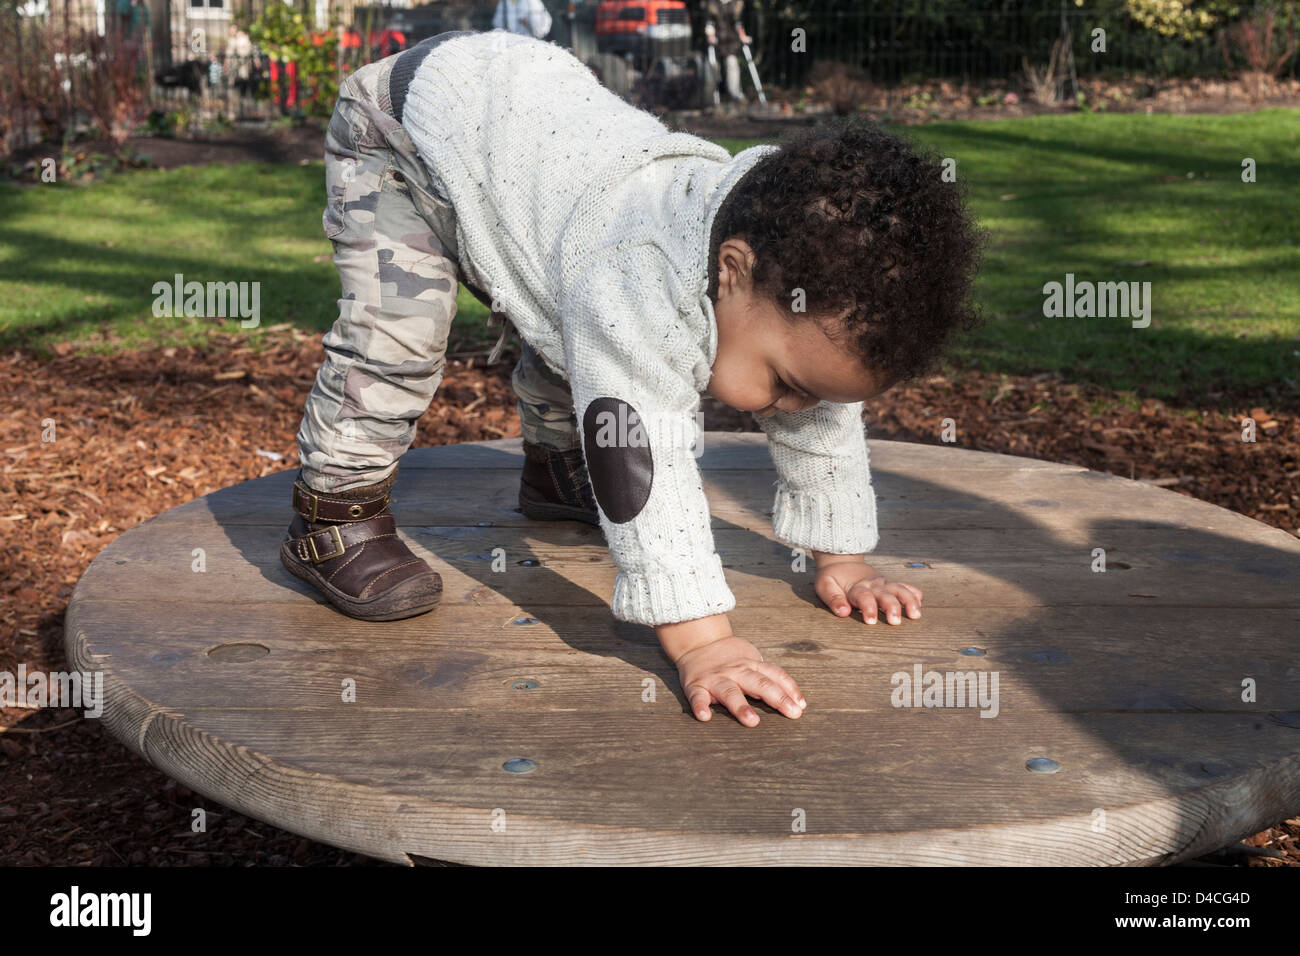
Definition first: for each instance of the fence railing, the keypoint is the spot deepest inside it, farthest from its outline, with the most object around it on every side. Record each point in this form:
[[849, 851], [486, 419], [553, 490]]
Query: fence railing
[[66, 65], [977, 43]]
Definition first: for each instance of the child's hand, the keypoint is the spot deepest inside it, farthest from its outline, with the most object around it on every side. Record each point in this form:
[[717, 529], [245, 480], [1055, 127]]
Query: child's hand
[[851, 581], [727, 670], [715, 665]]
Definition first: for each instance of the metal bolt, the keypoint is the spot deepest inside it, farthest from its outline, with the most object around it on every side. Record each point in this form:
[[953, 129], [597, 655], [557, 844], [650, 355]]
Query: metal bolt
[[1042, 765], [519, 765], [971, 652], [530, 563], [524, 684]]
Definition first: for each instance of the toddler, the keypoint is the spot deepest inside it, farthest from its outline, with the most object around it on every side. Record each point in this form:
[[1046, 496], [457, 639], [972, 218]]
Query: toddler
[[640, 267]]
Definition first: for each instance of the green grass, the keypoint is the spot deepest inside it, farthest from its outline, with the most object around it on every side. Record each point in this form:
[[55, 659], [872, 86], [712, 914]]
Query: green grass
[[1089, 194], [1095, 194], [79, 263]]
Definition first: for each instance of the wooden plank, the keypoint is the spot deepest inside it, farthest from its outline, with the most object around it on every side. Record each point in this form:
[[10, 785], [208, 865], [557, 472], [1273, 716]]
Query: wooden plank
[[1032, 501], [1062, 660], [727, 451], [1139, 698], [443, 793], [961, 568]]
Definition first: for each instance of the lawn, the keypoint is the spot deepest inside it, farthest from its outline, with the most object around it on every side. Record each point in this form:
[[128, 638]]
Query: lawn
[[1109, 198]]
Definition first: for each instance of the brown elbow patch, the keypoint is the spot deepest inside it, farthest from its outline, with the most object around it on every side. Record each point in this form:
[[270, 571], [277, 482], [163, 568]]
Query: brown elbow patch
[[619, 464]]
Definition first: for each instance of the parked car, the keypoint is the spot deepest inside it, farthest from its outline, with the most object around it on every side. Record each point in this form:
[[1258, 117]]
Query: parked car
[[647, 29], [645, 46]]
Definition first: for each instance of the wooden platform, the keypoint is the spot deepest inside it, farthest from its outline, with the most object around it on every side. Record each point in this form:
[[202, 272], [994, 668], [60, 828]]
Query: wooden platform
[[1130, 680]]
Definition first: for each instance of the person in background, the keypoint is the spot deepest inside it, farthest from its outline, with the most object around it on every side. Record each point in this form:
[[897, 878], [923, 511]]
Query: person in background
[[239, 57], [528, 17], [133, 23], [727, 35]]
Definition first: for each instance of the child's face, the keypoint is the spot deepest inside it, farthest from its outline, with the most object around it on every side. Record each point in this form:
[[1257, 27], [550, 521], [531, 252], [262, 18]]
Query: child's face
[[763, 363]]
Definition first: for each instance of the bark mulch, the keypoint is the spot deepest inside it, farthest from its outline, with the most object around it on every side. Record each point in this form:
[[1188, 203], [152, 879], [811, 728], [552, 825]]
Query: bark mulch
[[138, 432]]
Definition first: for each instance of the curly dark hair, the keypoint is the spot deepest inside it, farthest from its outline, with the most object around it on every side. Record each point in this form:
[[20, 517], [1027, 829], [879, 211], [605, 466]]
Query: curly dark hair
[[860, 219]]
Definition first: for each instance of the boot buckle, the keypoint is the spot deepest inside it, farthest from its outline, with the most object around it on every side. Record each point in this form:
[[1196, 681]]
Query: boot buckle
[[316, 556]]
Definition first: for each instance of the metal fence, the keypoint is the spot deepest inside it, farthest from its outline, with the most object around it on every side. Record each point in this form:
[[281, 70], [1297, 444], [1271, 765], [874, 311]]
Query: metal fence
[[976, 43], [69, 65]]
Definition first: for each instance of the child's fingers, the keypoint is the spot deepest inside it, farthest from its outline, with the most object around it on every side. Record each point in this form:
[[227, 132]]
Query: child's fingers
[[865, 600], [908, 597], [700, 698], [786, 681], [733, 698], [914, 589], [832, 594], [776, 687], [890, 608]]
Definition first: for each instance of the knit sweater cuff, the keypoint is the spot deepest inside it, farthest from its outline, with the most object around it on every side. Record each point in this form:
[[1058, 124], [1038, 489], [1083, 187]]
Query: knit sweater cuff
[[669, 597], [836, 522]]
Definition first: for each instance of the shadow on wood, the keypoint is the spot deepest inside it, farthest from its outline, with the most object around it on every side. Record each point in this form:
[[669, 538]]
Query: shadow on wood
[[1129, 680]]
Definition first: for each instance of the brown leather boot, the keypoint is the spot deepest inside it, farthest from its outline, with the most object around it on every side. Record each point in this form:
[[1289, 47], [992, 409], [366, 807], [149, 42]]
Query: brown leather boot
[[555, 486], [345, 545]]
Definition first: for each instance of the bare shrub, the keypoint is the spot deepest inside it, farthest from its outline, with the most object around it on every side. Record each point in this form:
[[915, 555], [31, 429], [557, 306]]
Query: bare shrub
[[1253, 38], [114, 91], [1043, 83], [845, 87], [32, 81], [55, 76]]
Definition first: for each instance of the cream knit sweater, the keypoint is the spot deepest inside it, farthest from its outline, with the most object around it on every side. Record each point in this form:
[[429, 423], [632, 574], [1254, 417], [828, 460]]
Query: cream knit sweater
[[587, 221]]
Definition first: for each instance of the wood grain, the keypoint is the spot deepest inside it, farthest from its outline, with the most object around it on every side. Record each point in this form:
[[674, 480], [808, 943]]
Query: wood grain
[[231, 680]]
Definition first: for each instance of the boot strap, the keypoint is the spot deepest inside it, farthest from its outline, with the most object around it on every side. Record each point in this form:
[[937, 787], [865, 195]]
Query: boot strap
[[332, 542], [318, 507]]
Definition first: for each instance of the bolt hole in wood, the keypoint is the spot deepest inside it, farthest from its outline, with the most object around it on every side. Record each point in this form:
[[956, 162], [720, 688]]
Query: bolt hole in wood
[[1144, 745], [238, 653], [524, 684]]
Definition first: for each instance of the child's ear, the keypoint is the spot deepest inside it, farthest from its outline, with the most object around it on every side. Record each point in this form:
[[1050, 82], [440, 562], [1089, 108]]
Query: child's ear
[[735, 264]]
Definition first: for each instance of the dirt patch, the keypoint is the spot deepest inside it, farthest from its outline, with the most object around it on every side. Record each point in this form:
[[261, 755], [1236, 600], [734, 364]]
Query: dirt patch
[[270, 143], [139, 432]]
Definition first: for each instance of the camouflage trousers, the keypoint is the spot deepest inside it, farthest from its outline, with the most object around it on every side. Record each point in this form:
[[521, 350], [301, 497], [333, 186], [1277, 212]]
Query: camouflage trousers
[[394, 238]]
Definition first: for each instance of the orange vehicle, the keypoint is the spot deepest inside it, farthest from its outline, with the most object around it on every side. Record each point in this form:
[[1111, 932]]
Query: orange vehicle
[[647, 29]]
